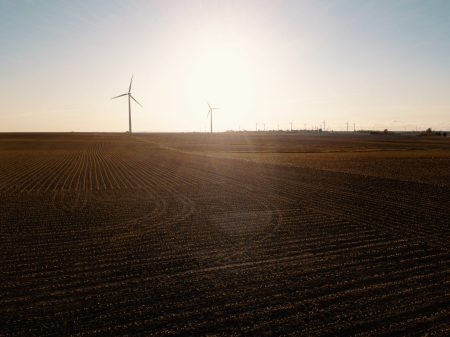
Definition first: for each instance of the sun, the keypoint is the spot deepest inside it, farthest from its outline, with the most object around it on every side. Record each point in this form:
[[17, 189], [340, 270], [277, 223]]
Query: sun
[[224, 73]]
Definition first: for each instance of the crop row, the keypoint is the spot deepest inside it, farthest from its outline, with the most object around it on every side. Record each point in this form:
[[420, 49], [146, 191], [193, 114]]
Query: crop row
[[111, 239]]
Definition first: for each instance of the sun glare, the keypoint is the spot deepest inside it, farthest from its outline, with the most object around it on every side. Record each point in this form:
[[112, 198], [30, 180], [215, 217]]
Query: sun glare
[[223, 72]]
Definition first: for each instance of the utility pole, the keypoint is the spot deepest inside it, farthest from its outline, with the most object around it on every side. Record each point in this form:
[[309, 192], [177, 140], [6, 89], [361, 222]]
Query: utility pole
[[256, 127], [324, 126], [354, 127], [347, 126]]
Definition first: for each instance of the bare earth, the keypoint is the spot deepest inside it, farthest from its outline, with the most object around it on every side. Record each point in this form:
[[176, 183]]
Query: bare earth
[[224, 234]]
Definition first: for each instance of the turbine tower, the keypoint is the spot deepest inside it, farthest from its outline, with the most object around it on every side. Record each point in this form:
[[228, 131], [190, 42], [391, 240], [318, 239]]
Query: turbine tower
[[130, 97], [210, 112]]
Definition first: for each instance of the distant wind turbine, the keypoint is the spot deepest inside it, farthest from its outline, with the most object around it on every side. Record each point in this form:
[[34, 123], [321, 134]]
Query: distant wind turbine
[[210, 112], [129, 103]]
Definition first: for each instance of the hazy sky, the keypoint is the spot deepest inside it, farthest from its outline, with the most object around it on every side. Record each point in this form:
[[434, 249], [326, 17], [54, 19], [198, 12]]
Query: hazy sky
[[379, 64]]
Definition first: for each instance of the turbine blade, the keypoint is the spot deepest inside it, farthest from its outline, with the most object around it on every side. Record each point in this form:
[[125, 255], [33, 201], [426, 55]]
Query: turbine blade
[[209, 106], [209, 111], [129, 90], [119, 96], [136, 101]]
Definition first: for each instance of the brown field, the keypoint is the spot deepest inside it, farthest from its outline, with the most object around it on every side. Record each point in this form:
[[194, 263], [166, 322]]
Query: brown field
[[224, 234]]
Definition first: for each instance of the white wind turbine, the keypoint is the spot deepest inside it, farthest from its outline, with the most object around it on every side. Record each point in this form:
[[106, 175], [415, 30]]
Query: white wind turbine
[[129, 103], [210, 112]]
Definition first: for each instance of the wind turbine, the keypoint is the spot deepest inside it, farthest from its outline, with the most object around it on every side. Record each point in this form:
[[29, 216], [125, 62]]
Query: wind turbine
[[210, 112], [129, 104]]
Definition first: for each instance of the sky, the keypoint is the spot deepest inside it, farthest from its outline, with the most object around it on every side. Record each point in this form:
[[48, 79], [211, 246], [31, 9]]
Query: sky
[[376, 64]]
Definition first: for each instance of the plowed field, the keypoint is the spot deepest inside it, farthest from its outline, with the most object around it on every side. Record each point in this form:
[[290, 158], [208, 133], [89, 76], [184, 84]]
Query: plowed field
[[288, 234]]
